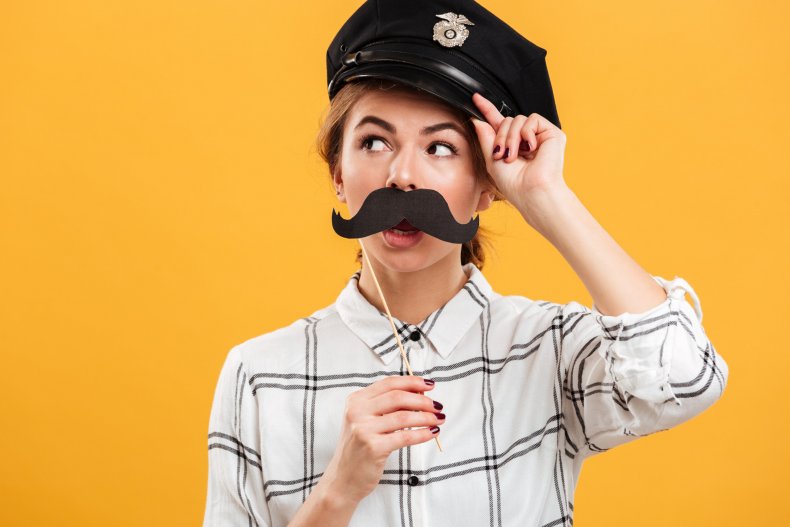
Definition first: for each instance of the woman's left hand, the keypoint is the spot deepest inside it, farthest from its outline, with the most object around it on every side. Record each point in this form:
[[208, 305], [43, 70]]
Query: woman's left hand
[[535, 148]]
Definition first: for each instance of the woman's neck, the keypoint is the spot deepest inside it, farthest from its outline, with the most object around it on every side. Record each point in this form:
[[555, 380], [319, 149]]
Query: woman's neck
[[412, 296]]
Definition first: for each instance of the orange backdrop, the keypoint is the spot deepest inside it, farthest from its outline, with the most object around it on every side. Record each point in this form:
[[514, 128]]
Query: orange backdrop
[[162, 200]]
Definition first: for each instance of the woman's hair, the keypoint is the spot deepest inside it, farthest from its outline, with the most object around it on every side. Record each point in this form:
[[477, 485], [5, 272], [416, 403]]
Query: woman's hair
[[329, 144]]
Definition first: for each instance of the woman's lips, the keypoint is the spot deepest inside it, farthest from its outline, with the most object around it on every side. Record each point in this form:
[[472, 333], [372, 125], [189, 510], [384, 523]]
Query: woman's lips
[[403, 240]]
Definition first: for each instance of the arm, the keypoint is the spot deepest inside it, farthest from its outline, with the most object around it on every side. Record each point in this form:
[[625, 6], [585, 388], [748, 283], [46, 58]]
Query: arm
[[635, 374], [615, 281], [235, 473], [235, 493], [639, 361], [324, 506], [525, 157]]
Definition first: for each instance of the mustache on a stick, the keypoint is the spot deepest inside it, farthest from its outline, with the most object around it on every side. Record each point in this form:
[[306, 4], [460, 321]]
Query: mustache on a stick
[[425, 209]]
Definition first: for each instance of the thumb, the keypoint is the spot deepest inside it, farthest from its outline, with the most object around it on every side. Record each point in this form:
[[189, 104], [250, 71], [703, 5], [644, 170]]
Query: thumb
[[486, 135]]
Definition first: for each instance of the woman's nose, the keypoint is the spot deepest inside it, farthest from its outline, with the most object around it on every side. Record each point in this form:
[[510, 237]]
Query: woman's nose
[[404, 171]]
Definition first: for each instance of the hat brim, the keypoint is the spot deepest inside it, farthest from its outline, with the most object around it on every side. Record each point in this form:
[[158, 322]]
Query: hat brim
[[417, 77]]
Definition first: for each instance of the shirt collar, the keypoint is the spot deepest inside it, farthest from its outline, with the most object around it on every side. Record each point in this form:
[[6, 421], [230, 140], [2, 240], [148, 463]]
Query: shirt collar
[[443, 328]]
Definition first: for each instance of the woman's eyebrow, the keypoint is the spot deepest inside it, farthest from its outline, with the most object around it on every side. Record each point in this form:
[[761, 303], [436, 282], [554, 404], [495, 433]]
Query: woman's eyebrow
[[425, 131]]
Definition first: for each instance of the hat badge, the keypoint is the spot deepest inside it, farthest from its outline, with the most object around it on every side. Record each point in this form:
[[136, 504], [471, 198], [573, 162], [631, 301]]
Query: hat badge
[[451, 31]]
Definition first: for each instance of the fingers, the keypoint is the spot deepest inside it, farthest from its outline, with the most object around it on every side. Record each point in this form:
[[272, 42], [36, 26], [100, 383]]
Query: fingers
[[411, 383], [489, 111], [404, 438], [401, 400], [521, 139], [405, 419], [517, 136], [389, 407], [501, 148]]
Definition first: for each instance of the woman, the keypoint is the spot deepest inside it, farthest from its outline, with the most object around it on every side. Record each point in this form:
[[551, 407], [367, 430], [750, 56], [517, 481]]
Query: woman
[[319, 422]]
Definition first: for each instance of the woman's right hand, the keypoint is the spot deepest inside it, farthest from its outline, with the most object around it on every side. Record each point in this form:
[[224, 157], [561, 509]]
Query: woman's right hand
[[373, 424]]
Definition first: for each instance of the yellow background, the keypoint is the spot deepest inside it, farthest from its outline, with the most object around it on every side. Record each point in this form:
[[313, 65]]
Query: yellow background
[[161, 200]]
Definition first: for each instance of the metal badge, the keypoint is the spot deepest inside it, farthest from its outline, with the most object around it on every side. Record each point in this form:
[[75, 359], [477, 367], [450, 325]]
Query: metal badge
[[451, 31]]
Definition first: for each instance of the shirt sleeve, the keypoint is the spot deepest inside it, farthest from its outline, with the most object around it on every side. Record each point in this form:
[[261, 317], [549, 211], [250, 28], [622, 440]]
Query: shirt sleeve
[[235, 495], [634, 374]]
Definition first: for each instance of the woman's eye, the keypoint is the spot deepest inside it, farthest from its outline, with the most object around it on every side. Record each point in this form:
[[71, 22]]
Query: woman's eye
[[367, 141], [439, 149], [448, 149]]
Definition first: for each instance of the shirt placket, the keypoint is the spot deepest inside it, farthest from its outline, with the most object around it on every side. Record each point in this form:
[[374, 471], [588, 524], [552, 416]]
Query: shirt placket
[[417, 355]]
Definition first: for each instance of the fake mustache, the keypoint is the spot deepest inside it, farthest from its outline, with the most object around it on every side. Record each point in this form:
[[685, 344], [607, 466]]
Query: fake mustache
[[425, 209]]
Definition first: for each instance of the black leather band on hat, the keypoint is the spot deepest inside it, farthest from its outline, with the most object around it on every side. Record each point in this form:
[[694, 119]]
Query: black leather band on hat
[[439, 74]]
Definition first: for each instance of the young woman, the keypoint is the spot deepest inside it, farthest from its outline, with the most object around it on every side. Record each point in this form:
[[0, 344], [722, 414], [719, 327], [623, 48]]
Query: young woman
[[319, 422]]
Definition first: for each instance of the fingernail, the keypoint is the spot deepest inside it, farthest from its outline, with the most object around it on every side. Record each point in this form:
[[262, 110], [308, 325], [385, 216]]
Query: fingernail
[[496, 149], [429, 382], [435, 429], [440, 416], [437, 405], [507, 151]]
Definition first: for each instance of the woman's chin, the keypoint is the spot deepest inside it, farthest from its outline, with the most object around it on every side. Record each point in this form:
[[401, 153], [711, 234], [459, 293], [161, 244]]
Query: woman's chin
[[428, 253], [402, 259]]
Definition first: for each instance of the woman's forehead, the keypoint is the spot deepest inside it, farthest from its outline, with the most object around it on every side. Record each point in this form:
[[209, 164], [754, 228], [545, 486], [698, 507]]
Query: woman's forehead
[[406, 106]]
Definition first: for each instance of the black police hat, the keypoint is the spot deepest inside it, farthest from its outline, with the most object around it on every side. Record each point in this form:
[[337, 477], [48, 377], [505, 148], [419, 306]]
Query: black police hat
[[450, 48]]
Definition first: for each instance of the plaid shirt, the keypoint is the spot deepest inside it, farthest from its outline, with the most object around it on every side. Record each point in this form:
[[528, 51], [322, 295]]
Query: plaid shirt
[[530, 388]]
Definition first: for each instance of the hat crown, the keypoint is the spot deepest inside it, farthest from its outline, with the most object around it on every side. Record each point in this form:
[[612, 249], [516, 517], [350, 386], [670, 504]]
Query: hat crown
[[470, 38]]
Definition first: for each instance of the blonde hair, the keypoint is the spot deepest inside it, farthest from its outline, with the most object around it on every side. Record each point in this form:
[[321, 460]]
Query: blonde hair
[[329, 144]]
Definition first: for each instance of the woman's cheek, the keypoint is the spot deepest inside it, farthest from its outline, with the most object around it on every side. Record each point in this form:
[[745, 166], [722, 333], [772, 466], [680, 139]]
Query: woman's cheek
[[452, 194]]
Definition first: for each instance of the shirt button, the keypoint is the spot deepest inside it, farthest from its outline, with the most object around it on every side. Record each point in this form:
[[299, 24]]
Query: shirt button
[[413, 480], [415, 336]]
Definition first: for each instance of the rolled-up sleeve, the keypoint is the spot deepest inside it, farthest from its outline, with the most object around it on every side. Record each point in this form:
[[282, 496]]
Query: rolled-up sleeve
[[634, 374], [235, 474]]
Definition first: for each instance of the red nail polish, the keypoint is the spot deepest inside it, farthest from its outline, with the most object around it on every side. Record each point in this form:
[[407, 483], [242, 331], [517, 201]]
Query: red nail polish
[[496, 149], [507, 151]]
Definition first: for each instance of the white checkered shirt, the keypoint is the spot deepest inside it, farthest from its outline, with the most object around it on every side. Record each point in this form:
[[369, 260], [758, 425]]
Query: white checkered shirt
[[530, 388]]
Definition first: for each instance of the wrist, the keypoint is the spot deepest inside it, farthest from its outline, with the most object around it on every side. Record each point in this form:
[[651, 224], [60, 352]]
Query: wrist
[[544, 207], [333, 497]]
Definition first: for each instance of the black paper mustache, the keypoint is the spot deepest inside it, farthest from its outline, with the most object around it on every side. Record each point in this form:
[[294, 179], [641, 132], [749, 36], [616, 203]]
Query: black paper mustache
[[425, 209]]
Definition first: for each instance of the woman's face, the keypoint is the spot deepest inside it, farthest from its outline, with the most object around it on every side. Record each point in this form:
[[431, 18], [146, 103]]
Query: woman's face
[[385, 145]]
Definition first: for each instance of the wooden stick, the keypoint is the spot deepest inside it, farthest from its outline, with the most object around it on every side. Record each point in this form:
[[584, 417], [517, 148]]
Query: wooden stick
[[389, 316]]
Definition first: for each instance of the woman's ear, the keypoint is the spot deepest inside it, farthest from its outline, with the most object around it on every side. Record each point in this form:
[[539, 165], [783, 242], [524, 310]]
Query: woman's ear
[[337, 181], [485, 200]]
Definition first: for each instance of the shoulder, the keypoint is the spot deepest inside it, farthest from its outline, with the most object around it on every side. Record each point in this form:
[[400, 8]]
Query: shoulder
[[523, 308], [279, 345], [536, 316]]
